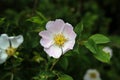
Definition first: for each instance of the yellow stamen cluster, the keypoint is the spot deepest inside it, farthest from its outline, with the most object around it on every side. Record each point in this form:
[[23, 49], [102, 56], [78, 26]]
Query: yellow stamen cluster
[[10, 51], [60, 39], [93, 75]]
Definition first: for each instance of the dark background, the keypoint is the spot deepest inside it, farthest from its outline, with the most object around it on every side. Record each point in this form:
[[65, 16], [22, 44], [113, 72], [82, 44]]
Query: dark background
[[98, 16], [110, 8]]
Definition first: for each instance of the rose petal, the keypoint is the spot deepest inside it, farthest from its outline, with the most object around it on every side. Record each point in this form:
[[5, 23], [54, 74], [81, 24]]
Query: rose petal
[[46, 43], [49, 24], [4, 42], [54, 51], [46, 34], [68, 31], [47, 39], [56, 26], [16, 41], [68, 46], [3, 56], [5, 35]]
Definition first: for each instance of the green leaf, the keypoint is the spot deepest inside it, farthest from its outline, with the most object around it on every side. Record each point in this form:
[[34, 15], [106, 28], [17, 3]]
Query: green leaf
[[44, 75], [36, 19], [102, 56], [90, 44], [2, 20], [63, 62], [65, 77], [37, 57], [41, 15], [99, 38], [97, 51], [39, 19], [79, 29]]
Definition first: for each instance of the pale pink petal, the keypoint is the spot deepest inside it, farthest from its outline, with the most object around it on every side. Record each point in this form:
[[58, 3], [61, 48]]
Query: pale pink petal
[[46, 43], [46, 34], [47, 39], [56, 26], [49, 24], [54, 51], [68, 31], [68, 46]]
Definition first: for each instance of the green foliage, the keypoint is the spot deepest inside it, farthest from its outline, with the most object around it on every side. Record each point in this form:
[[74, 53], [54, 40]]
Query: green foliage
[[44, 76], [39, 19], [102, 56], [65, 77], [35, 20], [2, 20], [79, 29], [91, 44], [99, 38], [89, 17], [64, 63]]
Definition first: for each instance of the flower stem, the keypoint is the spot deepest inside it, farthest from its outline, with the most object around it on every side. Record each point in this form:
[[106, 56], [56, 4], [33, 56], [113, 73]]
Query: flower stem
[[51, 68], [34, 6], [12, 76]]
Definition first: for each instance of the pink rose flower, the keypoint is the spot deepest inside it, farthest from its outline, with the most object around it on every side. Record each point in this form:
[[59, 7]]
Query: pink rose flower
[[58, 38]]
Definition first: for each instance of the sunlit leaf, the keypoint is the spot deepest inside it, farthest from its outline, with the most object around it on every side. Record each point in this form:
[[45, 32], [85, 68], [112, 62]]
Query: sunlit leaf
[[35, 19], [99, 38], [65, 77], [79, 29], [97, 51], [90, 44], [102, 56], [2, 20]]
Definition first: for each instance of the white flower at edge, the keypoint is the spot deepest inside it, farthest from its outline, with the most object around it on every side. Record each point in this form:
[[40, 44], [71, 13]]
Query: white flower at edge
[[108, 50], [92, 74], [8, 45], [3, 56], [58, 38]]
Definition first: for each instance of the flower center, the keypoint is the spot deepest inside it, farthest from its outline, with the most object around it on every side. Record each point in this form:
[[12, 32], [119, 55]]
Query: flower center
[[60, 39], [93, 75], [10, 51]]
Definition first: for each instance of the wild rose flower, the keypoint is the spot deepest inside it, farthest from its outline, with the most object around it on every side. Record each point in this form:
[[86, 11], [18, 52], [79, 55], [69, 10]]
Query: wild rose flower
[[58, 38], [92, 74], [108, 50], [3, 56], [8, 46]]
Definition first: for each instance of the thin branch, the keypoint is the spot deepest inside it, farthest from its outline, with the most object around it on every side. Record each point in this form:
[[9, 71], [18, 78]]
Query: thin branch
[[12, 76], [34, 6]]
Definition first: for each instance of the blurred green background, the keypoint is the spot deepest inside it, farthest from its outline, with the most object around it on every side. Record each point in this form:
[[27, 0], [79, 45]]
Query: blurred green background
[[98, 16]]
